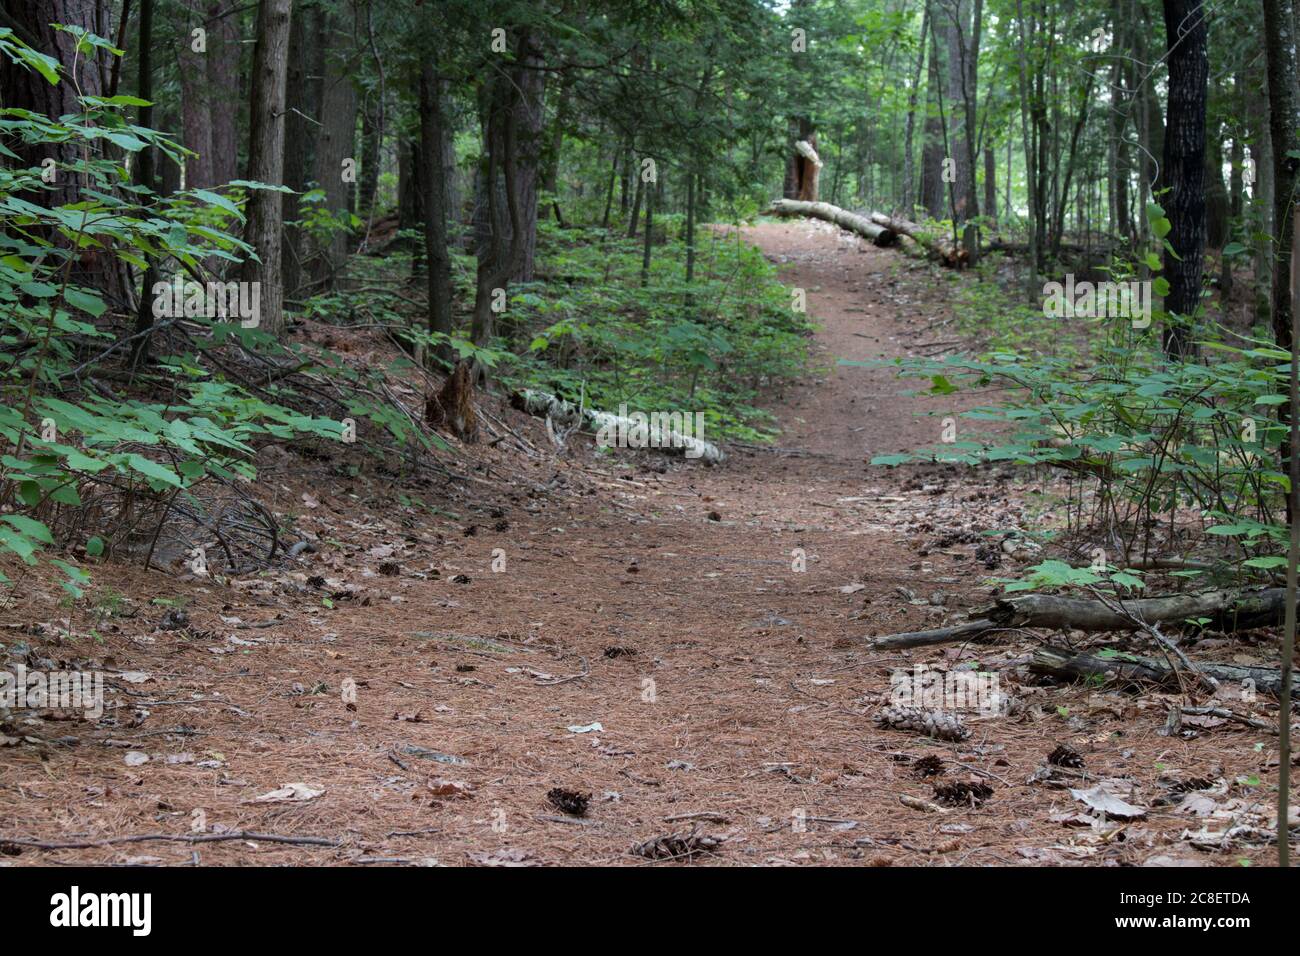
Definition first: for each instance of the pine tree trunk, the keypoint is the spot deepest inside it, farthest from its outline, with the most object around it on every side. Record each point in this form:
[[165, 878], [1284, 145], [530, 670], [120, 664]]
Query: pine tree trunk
[[266, 158], [223, 89], [335, 145], [195, 105], [1184, 168], [299, 136], [23, 88], [432, 132]]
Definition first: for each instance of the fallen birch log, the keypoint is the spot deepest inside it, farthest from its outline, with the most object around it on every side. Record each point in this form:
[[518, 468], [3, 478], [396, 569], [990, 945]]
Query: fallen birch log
[[863, 226], [1224, 610], [1075, 665], [668, 432], [932, 240]]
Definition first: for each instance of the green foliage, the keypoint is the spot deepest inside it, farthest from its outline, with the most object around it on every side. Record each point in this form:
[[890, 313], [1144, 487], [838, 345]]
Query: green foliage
[[58, 438], [592, 333]]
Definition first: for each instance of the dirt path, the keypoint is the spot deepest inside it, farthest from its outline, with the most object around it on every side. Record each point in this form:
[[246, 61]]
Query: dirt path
[[734, 691]]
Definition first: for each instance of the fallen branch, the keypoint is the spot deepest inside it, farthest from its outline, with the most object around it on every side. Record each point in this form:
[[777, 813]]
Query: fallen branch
[[1225, 610], [173, 838], [861, 225], [643, 431], [1077, 665], [930, 239]]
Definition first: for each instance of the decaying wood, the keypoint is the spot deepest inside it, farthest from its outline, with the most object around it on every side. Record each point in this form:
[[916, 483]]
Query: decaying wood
[[1074, 665], [863, 226], [173, 838], [971, 630], [1225, 610], [932, 240], [562, 417], [453, 406]]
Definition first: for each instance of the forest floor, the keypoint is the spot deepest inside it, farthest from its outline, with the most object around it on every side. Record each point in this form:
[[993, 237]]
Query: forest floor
[[654, 597]]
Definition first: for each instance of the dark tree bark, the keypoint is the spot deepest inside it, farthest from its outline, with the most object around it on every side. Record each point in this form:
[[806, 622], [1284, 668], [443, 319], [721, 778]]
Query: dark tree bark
[[1284, 122], [408, 185], [195, 104], [690, 227], [432, 132], [635, 216], [266, 158], [933, 195], [301, 107], [223, 89], [144, 176], [530, 116], [26, 89], [1184, 168], [649, 236], [335, 143], [371, 144]]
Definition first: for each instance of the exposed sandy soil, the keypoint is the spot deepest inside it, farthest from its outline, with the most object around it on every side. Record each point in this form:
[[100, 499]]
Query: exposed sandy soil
[[653, 596]]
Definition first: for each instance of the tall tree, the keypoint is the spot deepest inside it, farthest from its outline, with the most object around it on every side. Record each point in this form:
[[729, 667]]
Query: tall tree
[[432, 133], [335, 157], [1184, 168], [266, 159], [1284, 123]]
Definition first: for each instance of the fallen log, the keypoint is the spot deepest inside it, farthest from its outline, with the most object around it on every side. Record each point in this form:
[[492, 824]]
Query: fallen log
[[1076, 665], [880, 235], [669, 433], [941, 245], [970, 630], [1224, 610]]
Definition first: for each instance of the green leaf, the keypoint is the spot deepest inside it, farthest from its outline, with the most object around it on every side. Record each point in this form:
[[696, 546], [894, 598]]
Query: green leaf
[[85, 301], [152, 469]]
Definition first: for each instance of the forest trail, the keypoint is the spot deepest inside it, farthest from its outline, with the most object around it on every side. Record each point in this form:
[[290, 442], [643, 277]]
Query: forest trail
[[734, 693]]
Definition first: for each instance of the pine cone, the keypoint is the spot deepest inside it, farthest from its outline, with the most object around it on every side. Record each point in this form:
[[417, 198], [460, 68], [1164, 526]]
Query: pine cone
[[1064, 756], [932, 723]]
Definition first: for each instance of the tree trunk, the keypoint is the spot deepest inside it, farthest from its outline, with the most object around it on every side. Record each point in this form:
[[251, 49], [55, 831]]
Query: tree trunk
[[432, 131], [299, 135], [1284, 121], [909, 175], [690, 227], [223, 89], [335, 145], [530, 114], [1184, 169], [22, 88], [145, 177], [649, 236], [195, 104], [266, 158]]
